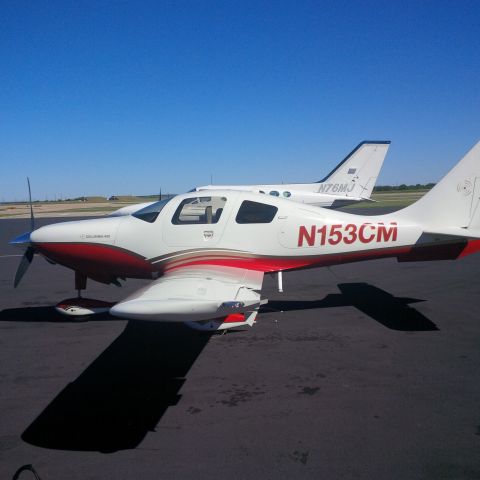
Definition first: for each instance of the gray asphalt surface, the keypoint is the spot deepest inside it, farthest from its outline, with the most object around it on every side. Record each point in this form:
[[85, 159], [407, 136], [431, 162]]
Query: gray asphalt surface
[[361, 371]]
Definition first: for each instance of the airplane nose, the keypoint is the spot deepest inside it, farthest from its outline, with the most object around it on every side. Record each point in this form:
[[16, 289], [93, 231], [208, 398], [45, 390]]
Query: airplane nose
[[57, 232], [43, 234], [89, 246], [101, 230]]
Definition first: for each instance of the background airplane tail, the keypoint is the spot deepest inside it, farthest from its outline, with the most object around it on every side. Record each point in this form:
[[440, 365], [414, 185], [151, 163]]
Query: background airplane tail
[[356, 174], [454, 201]]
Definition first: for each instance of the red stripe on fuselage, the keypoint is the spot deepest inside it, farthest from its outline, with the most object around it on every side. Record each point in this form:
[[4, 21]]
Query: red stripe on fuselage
[[106, 261], [97, 259], [274, 264]]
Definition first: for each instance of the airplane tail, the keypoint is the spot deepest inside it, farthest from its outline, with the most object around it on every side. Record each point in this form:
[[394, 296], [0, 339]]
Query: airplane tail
[[356, 174], [452, 205]]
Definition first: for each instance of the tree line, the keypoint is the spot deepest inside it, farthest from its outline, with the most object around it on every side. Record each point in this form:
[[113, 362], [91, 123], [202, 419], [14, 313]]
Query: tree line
[[403, 186]]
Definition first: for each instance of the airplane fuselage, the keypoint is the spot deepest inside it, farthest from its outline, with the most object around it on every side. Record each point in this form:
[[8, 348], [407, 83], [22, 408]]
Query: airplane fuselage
[[326, 194], [295, 237]]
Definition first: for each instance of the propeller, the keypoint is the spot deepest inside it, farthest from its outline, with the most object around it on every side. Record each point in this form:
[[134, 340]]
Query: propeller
[[25, 239], [32, 218], [24, 264]]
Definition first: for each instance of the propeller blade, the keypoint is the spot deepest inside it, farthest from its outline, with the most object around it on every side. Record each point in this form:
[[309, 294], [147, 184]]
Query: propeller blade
[[24, 264], [32, 219], [25, 240]]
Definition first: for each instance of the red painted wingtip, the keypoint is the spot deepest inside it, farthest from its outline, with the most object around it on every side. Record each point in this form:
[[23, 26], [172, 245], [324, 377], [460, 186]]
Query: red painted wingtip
[[234, 318]]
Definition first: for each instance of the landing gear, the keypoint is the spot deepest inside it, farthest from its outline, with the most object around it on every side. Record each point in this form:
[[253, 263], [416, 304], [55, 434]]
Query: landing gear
[[80, 283], [80, 306], [280, 281]]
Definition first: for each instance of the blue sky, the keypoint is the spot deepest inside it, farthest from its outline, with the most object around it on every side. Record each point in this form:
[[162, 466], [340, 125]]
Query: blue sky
[[120, 97]]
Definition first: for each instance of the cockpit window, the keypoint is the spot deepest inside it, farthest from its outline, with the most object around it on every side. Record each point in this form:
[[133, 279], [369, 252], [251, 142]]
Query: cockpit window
[[254, 212], [274, 193], [150, 213], [199, 210]]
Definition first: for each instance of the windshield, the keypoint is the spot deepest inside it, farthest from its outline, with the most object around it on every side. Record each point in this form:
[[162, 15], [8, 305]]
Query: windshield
[[150, 212]]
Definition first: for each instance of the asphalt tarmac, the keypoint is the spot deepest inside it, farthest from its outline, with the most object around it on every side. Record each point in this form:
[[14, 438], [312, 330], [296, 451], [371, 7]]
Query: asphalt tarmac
[[361, 371]]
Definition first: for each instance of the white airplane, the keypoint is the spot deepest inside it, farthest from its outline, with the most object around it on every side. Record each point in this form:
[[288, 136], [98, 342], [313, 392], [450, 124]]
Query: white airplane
[[206, 253], [351, 181]]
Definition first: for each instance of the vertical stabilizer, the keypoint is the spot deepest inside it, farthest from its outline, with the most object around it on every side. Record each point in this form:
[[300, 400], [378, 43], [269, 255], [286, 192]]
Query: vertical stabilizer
[[454, 201], [356, 174]]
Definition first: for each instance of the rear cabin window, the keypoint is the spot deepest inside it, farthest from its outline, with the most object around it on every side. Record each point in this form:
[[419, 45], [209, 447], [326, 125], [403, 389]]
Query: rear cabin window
[[199, 211], [254, 212]]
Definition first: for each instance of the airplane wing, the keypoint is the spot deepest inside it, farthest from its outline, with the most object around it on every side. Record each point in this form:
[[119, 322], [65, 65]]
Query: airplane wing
[[196, 294], [129, 209]]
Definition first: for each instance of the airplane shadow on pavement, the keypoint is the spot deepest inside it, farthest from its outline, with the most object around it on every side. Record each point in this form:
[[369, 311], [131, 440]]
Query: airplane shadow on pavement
[[46, 315], [392, 312], [123, 394]]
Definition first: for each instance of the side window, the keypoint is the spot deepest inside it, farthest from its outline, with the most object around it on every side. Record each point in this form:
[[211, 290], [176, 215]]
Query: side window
[[199, 210], [254, 212], [287, 194]]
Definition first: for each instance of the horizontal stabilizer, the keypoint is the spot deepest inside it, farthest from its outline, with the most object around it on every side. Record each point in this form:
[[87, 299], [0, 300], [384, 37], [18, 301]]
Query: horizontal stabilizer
[[458, 232], [446, 243]]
